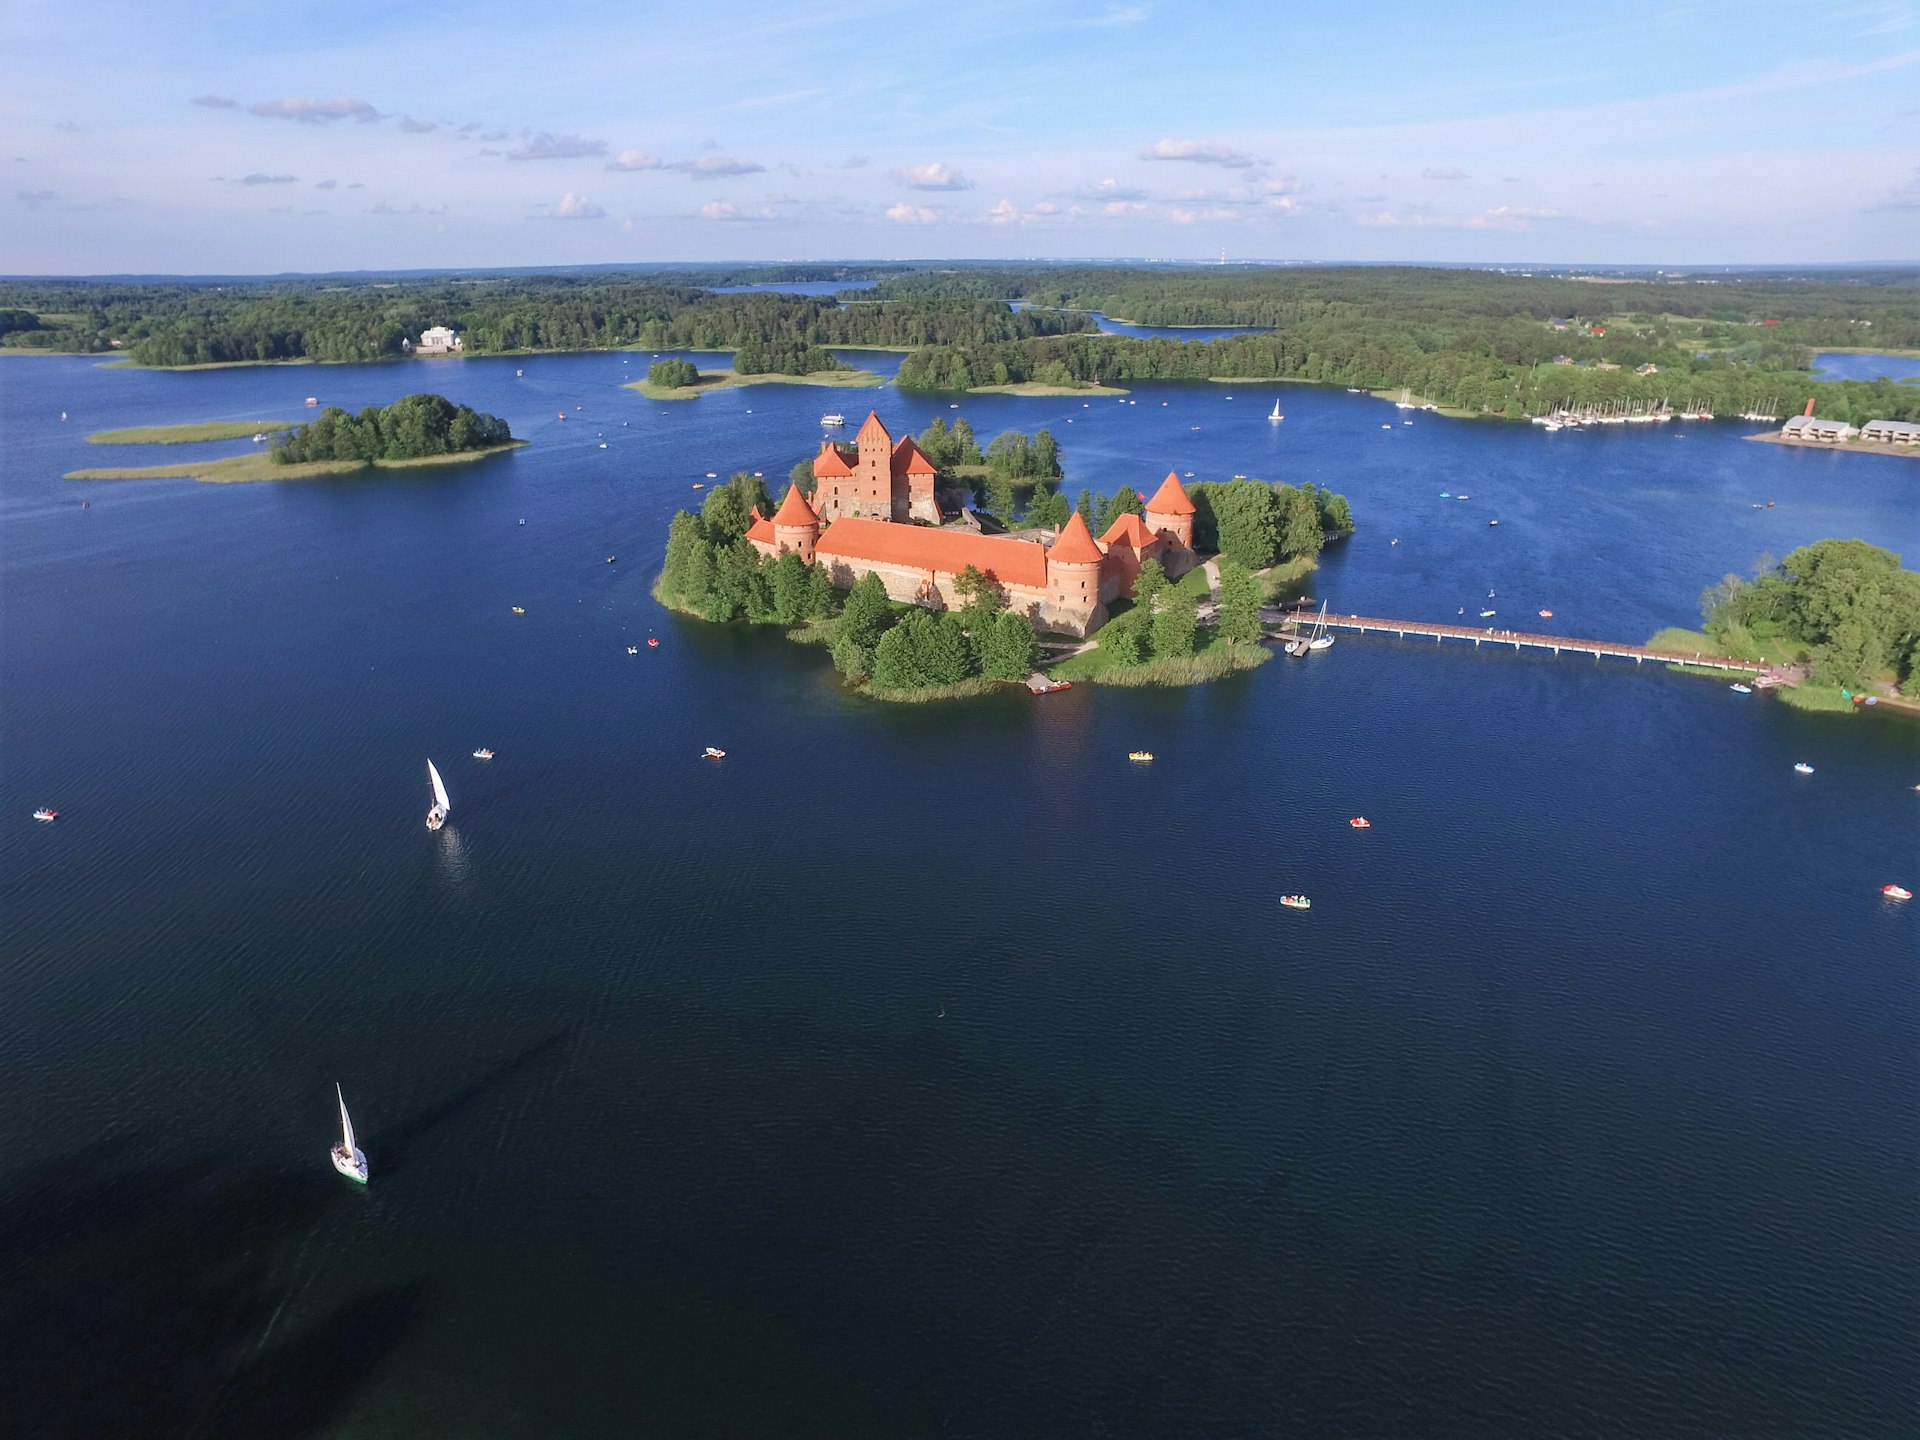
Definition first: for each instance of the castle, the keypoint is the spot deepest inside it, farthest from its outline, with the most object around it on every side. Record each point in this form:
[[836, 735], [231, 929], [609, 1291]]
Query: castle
[[862, 521]]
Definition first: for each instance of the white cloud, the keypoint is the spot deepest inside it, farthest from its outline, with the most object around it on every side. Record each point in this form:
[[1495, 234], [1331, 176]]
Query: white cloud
[[727, 210], [1509, 217], [577, 207], [716, 166], [1111, 189], [1119, 15], [1199, 152], [309, 111], [932, 176], [1215, 213], [1004, 213], [905, 214], [1444, 172], [634, 160], [544, 145]]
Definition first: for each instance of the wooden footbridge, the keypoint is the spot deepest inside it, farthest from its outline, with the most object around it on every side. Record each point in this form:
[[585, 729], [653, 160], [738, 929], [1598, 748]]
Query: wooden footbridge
[[1292, 621]]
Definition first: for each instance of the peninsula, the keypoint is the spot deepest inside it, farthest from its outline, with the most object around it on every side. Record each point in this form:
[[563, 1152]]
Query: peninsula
[[681, 380], [191, 433]]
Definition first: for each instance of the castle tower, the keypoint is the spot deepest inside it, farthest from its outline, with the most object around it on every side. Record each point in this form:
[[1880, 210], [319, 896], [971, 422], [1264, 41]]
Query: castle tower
[[833, 482], [873, 471], [1073, 578], [913, 476], [1170, 512], [795, 526]]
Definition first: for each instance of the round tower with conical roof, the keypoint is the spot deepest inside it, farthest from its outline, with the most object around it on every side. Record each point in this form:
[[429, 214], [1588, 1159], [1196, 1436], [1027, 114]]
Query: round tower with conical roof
[[795, 526], [1170, 512], [1073, 577]]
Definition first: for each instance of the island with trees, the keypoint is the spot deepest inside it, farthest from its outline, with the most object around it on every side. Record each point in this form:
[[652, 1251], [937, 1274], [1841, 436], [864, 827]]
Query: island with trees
[[677, 379], [415, 430], [741, 559], [1839, 620]]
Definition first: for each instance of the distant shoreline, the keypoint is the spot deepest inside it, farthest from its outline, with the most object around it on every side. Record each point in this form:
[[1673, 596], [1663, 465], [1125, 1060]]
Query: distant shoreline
[[1857, 447]]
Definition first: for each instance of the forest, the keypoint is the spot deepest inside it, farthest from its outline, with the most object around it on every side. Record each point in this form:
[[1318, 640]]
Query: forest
[[1847, 604], [1481, 342], [410, 428]]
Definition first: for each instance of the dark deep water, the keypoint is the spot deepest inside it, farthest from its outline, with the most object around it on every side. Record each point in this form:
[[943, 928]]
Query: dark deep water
[[1582, 1102]]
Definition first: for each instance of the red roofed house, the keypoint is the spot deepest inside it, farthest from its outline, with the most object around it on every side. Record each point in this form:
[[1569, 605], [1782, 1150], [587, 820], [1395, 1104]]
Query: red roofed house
[[1065, 586]]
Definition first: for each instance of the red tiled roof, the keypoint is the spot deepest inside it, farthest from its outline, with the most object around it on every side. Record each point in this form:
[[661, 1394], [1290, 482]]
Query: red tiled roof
[[1129, 530], [794, 510], [761, 529], [1011, 562], [1170, 498], [830, 462], [1075, 545], [910, 459], [872, 426]]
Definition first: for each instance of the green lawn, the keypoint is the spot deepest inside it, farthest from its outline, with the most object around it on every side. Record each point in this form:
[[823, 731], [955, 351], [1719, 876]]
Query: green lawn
[[1214, 660]]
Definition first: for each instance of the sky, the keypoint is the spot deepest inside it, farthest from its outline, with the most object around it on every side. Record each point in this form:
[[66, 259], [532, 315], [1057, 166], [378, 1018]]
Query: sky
[[157, 137]]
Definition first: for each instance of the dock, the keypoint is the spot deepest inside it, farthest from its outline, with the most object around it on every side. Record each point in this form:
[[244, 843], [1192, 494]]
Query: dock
[[1290, 621]]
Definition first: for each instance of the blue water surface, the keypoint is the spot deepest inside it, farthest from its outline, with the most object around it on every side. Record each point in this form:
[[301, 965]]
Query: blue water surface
[[932, 1070]]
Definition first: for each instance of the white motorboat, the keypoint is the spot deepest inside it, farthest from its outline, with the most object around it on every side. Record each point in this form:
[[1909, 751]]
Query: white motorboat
[[483, 753], [1741, 689], [348, 1158], [1802, 768], [442, 807]]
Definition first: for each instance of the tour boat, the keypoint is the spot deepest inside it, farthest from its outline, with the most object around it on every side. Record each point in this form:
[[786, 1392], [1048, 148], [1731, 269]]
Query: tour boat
[[714, 752], [483, 753], [1276, 417], [437, 816], [633, 649], [1896, 892], [655, 644], [1141, 755], [1296, 902], [43, 814], [1802, 768], [1360, 822], [833, 421], [1741, 689], [348, 1158]]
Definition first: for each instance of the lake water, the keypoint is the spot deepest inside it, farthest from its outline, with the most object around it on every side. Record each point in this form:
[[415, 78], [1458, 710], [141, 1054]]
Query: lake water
[[930, 1070], [1839, 366]]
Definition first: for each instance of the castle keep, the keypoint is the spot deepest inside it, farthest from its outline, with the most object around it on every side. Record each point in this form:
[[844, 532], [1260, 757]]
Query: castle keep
[[874, 512]]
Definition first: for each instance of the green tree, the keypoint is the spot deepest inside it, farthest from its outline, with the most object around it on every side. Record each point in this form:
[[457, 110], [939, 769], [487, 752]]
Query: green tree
[[1011, 650], [1175, 625], [673, 374], [787, 588], [1239, 603], [981, 598], [897, 661], [1124, 639], [802, 475], [1124, 501], [1149, 585], [817, 602], [1086, 508], [1301, 534], [863, 620], [684, 541], [1336, 517]]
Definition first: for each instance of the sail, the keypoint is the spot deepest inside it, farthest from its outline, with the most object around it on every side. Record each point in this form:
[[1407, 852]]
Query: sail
[[439, 790], [346, 1125]]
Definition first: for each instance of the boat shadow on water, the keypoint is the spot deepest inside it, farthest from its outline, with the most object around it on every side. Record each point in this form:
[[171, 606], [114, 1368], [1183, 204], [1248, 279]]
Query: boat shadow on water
[[143, 1300], [388, 1149]]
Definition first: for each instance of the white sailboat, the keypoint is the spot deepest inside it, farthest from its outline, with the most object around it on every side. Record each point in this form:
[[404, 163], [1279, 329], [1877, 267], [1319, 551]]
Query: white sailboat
[[1276, 417], [1322, 637], [348, 1158], [437, 816]]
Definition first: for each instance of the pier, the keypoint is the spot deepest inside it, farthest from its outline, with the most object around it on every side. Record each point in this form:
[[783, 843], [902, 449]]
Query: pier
[[1292, 621]]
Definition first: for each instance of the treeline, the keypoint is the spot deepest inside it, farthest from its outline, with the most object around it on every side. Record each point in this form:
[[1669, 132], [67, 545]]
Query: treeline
[[1848, 603], [196, 324], [409, 429], [713, 570], [1483, 368]]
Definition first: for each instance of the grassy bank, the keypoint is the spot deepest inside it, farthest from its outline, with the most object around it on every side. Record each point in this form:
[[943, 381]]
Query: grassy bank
[[1035, 387], [1288, 580], [1214, 660], [964, 690], [731, 380], [188, 434], [241, 469]]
